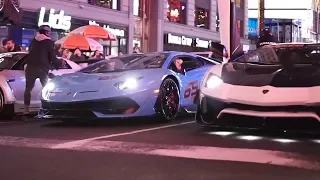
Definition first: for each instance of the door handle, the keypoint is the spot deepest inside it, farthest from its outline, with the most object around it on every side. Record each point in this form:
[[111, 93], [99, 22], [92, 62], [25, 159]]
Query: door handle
[[11, 80]]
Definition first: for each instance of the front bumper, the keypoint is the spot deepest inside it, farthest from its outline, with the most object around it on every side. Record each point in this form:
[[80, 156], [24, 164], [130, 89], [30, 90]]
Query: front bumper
[[119, 106], [211, 111]]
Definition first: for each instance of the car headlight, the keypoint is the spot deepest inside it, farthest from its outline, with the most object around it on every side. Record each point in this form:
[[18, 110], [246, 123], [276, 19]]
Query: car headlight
[[45, 91], [130, 83], [213, 81]]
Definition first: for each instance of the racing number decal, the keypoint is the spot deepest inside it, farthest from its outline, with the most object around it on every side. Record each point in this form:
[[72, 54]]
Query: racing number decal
[[191, 89]]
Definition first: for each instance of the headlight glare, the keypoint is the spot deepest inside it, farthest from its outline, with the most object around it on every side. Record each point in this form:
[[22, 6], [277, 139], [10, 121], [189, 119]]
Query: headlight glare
[[213, 81], [130, 83], [46, 90]]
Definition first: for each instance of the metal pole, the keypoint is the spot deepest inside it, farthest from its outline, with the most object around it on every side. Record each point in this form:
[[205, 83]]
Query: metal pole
[[143, 26], [261, 15], [278, 31]]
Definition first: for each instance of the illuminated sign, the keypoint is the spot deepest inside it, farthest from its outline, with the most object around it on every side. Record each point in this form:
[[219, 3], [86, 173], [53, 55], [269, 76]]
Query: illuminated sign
[[55, 21], [179, 40], [185, 41], [116, 32], [202, 43]]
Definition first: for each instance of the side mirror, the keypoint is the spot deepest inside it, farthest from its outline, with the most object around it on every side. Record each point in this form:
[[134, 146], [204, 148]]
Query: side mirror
[[51, 75]]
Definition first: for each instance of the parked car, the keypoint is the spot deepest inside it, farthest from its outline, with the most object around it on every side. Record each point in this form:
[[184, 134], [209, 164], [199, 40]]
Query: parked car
[[127, 86]]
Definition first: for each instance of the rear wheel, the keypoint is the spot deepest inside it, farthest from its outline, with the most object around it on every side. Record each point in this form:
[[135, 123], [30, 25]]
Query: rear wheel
[[169, 99]]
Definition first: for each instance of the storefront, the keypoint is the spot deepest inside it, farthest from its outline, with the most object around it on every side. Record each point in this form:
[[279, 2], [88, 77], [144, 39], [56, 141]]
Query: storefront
[[185, 44], [62, 23]]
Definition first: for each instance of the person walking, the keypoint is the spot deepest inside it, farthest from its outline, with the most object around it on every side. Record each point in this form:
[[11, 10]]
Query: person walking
[[41, 58]]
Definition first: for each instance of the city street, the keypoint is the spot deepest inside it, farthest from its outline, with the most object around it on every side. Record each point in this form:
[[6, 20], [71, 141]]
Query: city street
[[146, 150]]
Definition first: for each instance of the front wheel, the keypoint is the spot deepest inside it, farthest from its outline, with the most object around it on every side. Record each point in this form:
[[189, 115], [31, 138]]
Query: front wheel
[[6, 111], [169, 99]]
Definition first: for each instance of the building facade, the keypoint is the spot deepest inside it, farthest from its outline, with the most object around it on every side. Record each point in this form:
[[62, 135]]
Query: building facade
[[152, 25], [289, 20]]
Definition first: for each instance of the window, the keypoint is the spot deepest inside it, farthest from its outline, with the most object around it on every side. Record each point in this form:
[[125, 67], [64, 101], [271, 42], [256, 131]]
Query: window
[[137, 8], [188, 64], [240, 27], [201, 16], [177, 11], [65, 66], [128, 62], [111, 4], [21, 61], [239, 3], [217, 20]]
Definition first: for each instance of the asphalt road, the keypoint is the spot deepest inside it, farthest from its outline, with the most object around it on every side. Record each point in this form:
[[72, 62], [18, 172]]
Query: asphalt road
[[141, 149]]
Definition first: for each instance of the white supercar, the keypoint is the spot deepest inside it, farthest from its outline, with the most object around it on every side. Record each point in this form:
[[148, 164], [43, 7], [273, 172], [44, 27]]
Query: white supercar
[[276, 81]]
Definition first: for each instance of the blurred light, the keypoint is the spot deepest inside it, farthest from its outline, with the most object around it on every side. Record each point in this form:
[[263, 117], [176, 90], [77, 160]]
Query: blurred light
[[317, 141], [285, 140], [156, 91], [221, 133], [249, 138], [183, 7]]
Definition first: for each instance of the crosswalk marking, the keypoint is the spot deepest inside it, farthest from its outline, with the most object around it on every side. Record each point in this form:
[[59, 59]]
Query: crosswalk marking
[[83, 141], [180, 151]]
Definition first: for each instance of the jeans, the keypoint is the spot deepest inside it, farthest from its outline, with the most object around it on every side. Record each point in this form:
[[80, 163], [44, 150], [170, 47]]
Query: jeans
[[32, 74]]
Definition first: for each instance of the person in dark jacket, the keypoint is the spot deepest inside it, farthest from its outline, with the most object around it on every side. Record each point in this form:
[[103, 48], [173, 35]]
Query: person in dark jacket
[[265, 38], [11, 46], [40, 60], [58, 50], [77, 56]]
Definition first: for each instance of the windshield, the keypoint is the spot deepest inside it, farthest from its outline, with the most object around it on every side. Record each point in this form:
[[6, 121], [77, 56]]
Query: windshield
[[128, 62], [7, 61], [299, 54]]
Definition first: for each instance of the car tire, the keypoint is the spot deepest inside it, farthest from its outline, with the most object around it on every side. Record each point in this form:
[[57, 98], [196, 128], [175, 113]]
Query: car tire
[[6, 111], [169, 100]]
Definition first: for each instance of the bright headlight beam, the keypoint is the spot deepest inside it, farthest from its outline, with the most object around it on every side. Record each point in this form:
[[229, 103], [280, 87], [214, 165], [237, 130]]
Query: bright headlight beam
[[46, 89], [213, 81], [130, 83]]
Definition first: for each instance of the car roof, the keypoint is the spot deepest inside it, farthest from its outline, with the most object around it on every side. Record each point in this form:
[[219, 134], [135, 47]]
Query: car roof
[[19, 52], [292, 45]]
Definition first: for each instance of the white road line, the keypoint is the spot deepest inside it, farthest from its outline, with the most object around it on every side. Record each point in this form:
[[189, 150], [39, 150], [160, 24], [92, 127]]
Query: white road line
[[8, 122], [205, 153], [76, 143], [178, 151]]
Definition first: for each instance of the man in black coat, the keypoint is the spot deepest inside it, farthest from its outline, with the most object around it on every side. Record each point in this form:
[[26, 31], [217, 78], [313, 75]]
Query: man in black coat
[[265, 38], [41, 58]]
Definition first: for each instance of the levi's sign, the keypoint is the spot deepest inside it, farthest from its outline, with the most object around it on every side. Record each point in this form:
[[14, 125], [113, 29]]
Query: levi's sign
[[55, 20]]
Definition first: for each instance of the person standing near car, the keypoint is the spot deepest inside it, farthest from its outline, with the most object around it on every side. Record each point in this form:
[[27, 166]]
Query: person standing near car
[[41, 58]]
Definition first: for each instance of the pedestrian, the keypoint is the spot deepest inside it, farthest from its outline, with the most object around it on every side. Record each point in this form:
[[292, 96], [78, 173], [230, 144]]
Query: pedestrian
[[11, 46], [58, 50], [77, 55], [40, 60]]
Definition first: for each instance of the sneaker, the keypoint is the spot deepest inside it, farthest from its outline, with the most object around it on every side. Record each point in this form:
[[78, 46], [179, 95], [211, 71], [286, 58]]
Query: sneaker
[[26, 110]]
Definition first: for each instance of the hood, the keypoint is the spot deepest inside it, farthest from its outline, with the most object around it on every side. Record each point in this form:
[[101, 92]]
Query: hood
[[302, 75], [41, 37], [84, 86]]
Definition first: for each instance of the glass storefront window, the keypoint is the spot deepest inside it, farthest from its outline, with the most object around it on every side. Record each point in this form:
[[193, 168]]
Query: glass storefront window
[[111, 4], [137, 8], [176, 11], [201, 18], [240, 4], [27, 36], [240, 27]]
